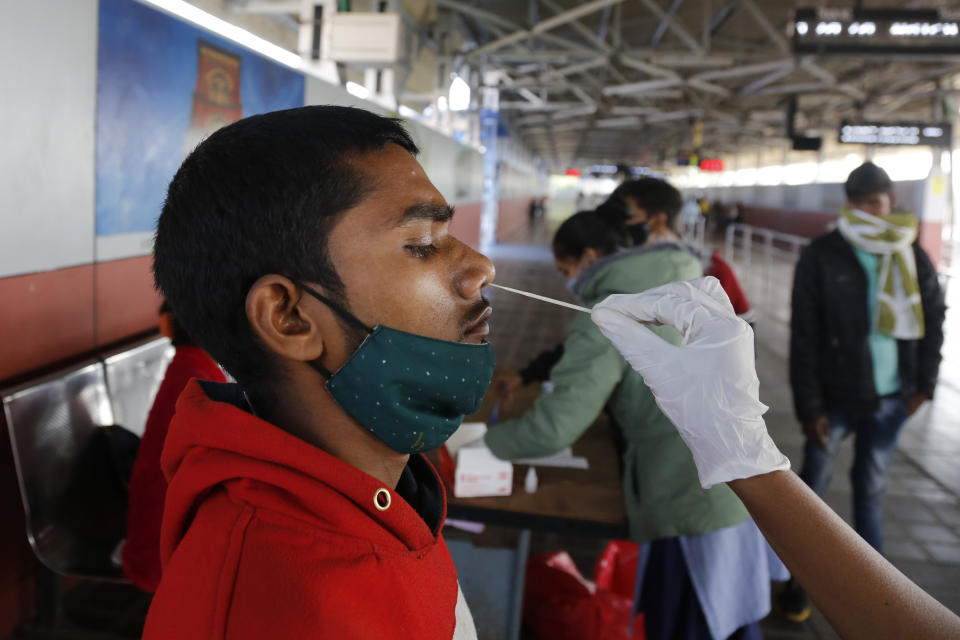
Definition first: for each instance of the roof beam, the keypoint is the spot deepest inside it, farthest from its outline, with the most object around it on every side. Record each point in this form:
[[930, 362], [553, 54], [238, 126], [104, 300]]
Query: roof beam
[[543, 26], [636, 87], [674, 26], [579, 27], [502, 23], [579, 67], [709, 88], [547, 106], [648, 68], [785, 69], [686, 60], [662, 27], [773, 34], [796, 87], [743, 70], [822, 74]]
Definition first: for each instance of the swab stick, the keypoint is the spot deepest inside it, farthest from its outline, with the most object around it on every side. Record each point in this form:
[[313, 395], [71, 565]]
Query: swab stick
[[542, 298]]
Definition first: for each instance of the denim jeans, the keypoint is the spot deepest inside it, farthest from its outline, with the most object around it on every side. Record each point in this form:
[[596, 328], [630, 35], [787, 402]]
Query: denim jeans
[[875, 438]]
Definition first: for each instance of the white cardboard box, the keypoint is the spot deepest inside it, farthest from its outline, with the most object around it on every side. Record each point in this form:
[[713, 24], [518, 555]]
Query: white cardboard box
[[480, 473]]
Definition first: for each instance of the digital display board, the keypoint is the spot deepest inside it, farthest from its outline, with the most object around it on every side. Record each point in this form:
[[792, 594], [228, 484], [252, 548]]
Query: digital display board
[[934, 134], [881, 31], [711, 164]]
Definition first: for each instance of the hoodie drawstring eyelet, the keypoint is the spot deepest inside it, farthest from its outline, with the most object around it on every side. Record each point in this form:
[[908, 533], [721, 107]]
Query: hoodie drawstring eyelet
[[381, 499]]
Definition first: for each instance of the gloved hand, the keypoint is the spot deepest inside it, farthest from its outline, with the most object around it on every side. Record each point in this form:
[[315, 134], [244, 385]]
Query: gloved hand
[[707, 386]]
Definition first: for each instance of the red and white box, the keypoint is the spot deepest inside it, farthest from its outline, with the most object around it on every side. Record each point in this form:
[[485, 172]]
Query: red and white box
[[480, 473]]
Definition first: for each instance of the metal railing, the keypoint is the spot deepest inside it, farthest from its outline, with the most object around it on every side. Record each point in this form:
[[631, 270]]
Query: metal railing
[[764, 261]]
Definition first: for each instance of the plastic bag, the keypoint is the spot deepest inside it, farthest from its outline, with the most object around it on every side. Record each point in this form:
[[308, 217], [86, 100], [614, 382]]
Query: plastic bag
[[616, 568], [560, 604]]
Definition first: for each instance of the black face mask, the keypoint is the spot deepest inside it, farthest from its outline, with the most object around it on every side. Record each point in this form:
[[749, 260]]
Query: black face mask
[[638, 233]]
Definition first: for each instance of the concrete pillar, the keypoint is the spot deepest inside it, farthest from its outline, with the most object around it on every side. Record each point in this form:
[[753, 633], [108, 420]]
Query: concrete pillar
[[489, 125]]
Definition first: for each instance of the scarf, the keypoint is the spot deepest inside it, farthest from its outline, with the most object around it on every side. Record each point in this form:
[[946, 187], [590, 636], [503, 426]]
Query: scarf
[[898, 311]]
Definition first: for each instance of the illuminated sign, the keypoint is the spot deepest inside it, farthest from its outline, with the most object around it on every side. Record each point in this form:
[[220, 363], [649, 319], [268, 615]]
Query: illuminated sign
[[935, 134], [916, 31], [711, 164]]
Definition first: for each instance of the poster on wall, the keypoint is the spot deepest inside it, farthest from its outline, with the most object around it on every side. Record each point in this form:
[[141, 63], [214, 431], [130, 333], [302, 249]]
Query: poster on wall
[[162, 86]]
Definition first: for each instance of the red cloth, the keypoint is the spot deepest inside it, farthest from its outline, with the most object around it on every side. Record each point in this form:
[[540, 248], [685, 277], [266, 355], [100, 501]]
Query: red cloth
[[266, 536], [723, 272], [148, 487]]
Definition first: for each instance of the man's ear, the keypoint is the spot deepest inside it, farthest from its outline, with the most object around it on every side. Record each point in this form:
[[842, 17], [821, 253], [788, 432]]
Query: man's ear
[[278, 319], [657, 221]]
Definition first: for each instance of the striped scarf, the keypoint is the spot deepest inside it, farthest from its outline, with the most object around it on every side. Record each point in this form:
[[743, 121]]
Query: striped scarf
[[898, 309]]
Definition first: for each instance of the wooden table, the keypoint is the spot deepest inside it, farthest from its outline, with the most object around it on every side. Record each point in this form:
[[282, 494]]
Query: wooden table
[[585, 502]]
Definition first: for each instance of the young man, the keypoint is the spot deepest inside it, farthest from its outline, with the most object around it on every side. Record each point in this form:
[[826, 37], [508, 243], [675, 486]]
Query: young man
[[652, 208], [307, 252], [865, 345]]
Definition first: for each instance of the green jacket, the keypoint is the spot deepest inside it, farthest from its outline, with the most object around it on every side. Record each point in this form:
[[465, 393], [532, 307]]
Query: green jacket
[[660, 486]]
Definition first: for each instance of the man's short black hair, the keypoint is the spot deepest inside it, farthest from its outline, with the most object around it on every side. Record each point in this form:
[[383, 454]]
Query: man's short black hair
[[259, 196], [867, 179], [653, 196]]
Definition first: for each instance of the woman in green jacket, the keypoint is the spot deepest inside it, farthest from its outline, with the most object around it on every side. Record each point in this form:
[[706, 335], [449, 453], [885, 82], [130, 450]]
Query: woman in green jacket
[[663, 497]]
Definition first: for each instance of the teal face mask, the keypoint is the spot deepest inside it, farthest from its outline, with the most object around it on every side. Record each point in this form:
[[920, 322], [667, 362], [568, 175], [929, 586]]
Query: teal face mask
[[410, 391]]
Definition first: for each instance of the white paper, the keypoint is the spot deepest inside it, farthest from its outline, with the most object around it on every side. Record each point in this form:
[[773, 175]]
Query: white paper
[[468, 432], [564, 459]]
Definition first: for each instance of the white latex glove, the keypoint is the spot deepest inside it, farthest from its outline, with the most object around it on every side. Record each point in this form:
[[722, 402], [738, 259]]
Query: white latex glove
[[708, 384]]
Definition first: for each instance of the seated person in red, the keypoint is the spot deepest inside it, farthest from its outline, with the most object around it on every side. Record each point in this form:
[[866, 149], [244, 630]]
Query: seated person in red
[[307, 251], [148, 487]]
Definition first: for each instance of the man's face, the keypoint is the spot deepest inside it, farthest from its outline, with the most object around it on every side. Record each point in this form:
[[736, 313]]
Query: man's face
[[635, 214], [399, 265], [876, 204]]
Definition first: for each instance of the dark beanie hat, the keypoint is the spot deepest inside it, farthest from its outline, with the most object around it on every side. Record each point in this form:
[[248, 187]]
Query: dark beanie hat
[[865, 179]]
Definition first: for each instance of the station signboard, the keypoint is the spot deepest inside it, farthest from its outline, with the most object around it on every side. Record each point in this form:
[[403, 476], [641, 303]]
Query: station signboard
[[933, 134], [877, 31]]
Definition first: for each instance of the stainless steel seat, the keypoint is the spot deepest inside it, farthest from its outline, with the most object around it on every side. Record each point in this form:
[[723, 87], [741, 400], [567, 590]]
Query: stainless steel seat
[[134, 375], [52, 423]]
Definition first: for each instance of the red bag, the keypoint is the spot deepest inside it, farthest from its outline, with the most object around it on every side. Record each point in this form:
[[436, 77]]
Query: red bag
[[616, 568], [560, 604]]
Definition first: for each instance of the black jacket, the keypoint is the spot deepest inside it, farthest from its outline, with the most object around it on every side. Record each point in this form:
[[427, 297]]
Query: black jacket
[[830, 363]]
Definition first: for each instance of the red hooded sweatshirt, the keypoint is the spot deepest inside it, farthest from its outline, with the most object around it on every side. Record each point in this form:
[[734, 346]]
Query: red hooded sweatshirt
[[148, 487], [267, 537]]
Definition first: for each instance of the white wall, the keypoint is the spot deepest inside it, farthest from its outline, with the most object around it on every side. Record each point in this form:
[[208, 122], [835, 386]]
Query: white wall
[[48, 50]]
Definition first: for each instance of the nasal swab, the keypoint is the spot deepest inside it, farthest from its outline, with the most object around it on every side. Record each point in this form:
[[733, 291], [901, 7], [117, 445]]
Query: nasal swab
[[542, 298]]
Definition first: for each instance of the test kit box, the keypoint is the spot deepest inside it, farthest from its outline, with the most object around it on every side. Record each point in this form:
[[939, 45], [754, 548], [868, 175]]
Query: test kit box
[[480, 473]]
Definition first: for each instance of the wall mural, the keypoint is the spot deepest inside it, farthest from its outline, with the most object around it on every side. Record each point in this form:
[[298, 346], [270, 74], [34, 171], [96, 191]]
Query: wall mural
[[163, 85]]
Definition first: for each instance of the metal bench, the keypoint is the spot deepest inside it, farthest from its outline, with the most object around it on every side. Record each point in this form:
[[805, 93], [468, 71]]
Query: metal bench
[[74, 518], [134, 374]]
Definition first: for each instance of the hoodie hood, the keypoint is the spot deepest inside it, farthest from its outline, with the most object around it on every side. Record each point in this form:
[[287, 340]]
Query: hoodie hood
[[638, 269], [215, 443]]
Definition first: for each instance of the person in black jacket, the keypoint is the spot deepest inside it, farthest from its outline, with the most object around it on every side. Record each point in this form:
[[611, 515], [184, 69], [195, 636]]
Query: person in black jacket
[[865, 341]]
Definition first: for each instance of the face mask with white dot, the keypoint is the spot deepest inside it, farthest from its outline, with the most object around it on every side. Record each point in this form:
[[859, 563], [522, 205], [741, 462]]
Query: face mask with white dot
[[409, 390]]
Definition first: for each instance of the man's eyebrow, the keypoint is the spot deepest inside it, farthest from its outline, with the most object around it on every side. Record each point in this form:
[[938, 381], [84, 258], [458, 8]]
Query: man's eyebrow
[[426, 211]]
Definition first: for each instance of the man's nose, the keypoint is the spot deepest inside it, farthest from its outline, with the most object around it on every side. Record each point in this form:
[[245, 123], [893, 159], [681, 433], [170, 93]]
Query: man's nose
[[476, 272]]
